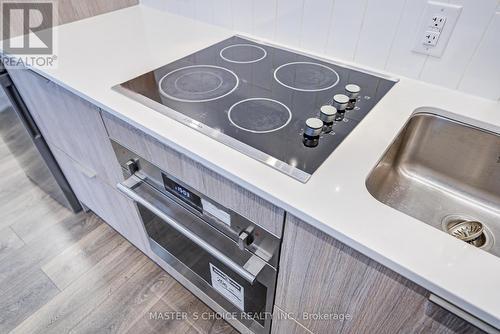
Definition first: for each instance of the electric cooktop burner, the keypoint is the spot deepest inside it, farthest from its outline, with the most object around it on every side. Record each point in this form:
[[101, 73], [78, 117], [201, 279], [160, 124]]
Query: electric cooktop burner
[[243, 53], [198, 83], [259, 115], [306, 76], [287, 110]]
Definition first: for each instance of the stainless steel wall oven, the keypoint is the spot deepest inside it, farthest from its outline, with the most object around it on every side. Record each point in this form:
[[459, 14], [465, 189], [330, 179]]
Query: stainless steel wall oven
[[225, 258]]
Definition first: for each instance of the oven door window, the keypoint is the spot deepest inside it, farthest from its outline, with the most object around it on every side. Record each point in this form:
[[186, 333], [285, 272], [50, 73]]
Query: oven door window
[[253, 298]]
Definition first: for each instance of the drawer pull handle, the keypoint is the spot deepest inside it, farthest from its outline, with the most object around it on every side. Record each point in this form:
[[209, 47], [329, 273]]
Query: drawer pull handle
[[84, 170]]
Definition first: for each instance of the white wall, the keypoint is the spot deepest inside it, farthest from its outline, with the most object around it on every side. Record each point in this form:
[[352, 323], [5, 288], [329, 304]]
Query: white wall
[[376, 33]]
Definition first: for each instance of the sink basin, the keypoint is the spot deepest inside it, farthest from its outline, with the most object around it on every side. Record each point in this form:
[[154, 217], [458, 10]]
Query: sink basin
[[442, 171]]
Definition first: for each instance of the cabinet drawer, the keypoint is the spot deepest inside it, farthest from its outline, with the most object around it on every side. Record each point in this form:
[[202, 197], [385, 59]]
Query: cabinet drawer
[[68, 122], [118, 211], [197, 176]]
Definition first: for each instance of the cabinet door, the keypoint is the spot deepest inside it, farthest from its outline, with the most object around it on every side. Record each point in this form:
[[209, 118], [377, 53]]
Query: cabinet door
[[329, 287], [115, 209], [69, 123]]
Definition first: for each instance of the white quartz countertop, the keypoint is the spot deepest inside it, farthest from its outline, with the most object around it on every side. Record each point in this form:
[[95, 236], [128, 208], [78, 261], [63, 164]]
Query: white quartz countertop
[[97, 53]]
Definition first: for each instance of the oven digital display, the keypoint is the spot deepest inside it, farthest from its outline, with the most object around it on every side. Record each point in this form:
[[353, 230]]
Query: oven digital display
[[182, 193]]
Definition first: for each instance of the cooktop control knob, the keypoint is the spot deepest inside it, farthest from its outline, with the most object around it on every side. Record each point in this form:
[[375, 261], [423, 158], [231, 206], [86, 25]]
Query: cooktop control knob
[[327, 114], [340, 102], [352, 92], [313, 129]]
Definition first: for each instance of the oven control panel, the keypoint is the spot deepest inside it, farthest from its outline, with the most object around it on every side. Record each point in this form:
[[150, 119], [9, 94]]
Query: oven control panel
[[182, 192]]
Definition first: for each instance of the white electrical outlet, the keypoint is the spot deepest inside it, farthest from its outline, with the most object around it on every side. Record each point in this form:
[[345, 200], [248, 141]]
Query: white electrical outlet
[[437, 22], [436, 27], [431, 38]]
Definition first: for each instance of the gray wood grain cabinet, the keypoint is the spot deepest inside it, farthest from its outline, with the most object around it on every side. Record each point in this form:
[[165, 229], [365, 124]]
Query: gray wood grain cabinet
[[115, 209], [194, 174], [320, 276], [69, 123], [75, 133]]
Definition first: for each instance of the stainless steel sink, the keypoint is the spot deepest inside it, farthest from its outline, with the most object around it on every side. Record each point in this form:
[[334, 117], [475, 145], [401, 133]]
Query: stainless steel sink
[[442, 172]]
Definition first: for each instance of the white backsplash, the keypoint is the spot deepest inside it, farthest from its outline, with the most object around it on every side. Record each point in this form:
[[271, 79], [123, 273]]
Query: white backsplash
[[375, 33]]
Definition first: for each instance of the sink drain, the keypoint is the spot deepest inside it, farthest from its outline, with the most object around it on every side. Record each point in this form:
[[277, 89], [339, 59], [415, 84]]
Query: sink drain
[[468, 230]]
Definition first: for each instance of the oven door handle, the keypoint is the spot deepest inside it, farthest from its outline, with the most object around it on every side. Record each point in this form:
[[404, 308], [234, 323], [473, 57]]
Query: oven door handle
[[249, 271]]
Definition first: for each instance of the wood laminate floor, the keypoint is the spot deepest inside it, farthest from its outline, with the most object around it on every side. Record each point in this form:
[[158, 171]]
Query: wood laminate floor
[[66, 273]]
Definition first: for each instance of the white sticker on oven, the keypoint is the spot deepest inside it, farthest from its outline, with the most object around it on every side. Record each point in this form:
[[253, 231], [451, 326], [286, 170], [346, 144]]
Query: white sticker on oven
[[227, 287], [222, 215]]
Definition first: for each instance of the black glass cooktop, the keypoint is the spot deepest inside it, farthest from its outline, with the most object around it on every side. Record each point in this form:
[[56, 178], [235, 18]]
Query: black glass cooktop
[[256, 98]]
